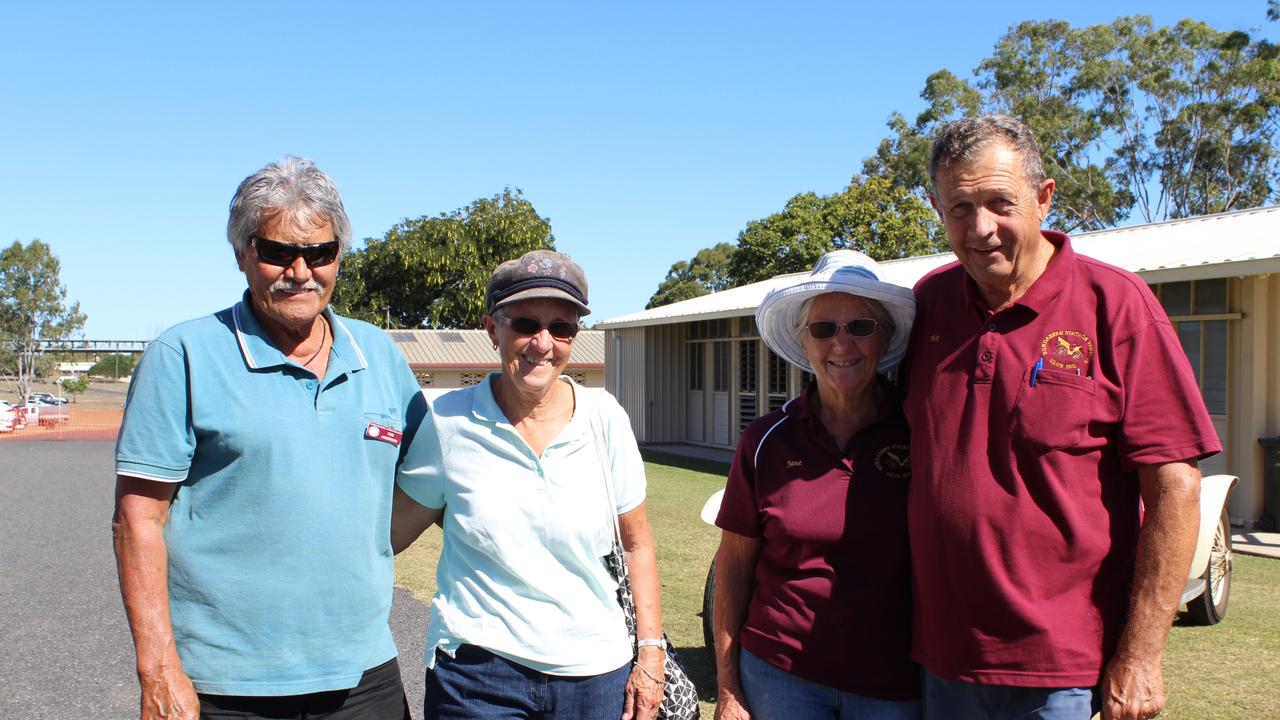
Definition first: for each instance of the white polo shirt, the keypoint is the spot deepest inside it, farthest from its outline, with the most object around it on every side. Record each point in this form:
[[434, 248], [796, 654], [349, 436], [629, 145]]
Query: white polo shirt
[[521, 573]]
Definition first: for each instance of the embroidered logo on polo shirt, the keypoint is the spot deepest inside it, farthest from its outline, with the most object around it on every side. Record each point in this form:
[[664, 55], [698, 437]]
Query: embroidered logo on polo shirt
[[793, 463], [1067, 350], [894, 461]]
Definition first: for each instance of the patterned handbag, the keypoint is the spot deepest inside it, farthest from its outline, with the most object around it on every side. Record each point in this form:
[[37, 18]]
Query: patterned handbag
[[679, 696]]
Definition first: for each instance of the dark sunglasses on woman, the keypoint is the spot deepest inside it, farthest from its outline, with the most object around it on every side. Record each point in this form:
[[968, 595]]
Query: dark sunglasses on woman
[[284, 254], [858, 327], [559, 329]]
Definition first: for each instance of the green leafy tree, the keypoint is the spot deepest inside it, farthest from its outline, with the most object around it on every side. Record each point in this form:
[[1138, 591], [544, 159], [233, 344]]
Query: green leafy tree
[[872, 215], [33, 310], [1166, 122], [1207, 141], [114, 365], [75, 386], [707, 272], [903, 157], [433, 271], [1037, 73]]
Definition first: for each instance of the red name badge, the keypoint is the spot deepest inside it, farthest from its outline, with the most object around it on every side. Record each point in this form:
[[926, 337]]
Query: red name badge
[[383, 433]]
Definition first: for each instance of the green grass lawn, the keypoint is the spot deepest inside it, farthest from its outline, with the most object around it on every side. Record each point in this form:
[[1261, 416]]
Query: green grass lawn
[[1229, 671], [1222, 672]]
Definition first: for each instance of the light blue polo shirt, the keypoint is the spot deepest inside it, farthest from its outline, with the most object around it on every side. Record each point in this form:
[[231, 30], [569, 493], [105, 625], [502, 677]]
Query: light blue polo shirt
[[521, 572], [280, 563]]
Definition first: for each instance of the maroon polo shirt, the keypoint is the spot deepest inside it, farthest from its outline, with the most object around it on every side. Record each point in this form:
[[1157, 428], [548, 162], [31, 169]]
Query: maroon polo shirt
[[832, 581], [1024, 505]]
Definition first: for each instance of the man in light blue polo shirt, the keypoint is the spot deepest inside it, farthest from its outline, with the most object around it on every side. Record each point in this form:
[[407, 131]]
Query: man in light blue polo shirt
[[255, 469]]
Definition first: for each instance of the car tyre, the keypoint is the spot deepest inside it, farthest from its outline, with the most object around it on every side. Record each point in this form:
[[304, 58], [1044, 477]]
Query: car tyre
[[1211, 606], [708, 604]]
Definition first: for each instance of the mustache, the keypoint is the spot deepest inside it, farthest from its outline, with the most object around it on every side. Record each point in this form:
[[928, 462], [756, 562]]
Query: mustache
[[284, 285]]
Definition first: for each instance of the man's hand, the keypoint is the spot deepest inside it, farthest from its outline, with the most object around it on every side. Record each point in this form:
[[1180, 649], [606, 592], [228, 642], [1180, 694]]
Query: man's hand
[[142, 560], [1132, 689], [731, 706], [1133, 686], [169, 695]]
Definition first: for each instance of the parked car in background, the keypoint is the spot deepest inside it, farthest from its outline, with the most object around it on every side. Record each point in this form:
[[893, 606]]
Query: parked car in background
[[19, 414], [44, 397], [8, 417], [45, 413]]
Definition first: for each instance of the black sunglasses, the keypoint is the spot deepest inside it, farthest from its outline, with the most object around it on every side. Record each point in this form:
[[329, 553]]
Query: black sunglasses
[[559, 329], [283, 254], [826, 329]]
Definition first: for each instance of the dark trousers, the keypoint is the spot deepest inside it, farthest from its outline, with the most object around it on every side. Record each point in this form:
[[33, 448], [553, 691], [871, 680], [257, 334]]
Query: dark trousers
[[959, 700], [378, 696]]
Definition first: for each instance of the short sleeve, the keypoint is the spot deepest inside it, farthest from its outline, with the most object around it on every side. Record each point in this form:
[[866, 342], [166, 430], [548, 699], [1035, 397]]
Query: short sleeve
[[156, 439], [1165, 419], [421, 472], [738, 508], [414, 403], [629, 483]]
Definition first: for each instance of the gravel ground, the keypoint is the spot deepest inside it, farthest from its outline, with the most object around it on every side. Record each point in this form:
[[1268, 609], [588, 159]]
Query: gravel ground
[[68, 653]]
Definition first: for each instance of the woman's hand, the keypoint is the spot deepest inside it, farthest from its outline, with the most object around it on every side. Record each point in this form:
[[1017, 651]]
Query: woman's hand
[[644, 687]]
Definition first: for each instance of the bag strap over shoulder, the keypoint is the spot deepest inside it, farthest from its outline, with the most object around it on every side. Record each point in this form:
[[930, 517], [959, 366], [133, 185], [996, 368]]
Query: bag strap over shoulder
[[602, 455]]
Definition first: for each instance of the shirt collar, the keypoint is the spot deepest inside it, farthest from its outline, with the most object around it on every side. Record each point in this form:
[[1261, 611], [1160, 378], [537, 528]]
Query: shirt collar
[[1056, 276], [262, 354], [484, 406]]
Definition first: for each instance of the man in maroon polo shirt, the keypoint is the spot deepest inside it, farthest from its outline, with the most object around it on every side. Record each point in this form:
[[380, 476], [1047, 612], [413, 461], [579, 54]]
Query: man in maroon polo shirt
[[1047, 393]]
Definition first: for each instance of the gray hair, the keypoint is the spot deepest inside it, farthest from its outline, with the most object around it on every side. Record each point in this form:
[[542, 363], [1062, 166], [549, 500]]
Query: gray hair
[[877, 309], [291, 185], [960, 141]]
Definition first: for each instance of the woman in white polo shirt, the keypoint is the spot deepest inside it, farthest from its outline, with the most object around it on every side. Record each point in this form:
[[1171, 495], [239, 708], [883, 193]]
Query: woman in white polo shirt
[[526, 622]]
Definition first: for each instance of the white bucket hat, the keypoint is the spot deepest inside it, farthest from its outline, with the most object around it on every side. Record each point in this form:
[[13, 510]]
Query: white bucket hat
[[846, 271]]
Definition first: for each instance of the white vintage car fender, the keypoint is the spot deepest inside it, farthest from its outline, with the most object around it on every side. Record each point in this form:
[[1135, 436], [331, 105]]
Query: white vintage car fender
[[711, 508], [1213, 497]]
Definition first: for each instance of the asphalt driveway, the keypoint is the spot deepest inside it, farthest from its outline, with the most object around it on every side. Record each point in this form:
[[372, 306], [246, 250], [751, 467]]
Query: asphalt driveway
[[68, 653]]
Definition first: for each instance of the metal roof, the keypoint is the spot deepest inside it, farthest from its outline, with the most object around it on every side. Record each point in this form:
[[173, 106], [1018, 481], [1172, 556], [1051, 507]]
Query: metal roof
[[1244, 242], [463, 349]]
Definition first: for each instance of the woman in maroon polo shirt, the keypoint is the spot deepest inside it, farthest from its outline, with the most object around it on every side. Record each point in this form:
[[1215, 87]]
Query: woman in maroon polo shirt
[[813, 574]]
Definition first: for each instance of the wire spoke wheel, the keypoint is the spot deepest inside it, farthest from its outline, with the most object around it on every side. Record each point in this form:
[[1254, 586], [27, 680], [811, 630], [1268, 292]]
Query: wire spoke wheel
[[1211, 607]]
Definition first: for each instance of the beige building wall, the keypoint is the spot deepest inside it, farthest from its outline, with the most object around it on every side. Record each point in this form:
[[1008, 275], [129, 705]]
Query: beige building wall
[[1255, 392], [665, 363], [452, 378]]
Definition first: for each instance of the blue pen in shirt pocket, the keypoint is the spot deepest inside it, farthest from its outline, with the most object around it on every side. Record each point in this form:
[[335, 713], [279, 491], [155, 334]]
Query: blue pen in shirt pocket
[[1035, 370]]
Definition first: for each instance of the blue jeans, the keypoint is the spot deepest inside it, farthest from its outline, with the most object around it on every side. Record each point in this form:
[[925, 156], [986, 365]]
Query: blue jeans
[[959, 700], [475, 684], [774, 694]]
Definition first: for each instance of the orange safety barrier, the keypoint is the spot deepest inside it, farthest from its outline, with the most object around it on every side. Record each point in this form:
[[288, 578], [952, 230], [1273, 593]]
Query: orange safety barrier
[[83, 423]]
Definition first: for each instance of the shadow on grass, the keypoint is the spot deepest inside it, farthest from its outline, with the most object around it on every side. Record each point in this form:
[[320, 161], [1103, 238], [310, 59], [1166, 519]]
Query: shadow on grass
[[684, 462], [697, 662]]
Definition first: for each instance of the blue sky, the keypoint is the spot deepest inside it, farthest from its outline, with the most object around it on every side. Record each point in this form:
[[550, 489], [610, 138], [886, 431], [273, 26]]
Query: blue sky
[[644, 131]]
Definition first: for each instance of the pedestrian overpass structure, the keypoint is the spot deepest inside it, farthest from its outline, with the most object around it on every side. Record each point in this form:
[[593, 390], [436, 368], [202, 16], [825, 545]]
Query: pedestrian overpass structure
[[94, 347]]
